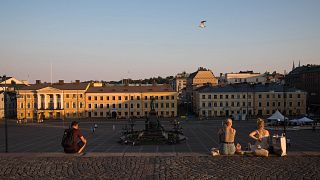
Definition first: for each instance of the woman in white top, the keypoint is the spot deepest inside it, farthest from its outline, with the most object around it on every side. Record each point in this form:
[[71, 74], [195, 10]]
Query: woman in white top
[[261, 136]]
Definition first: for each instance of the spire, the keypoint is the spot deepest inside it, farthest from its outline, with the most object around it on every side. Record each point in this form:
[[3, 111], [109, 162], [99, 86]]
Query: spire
[[293, 66], [299, 63]]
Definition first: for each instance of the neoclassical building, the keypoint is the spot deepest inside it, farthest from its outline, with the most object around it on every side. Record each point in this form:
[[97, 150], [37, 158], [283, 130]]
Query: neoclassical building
[[95, 100], [52, 101], [130, 101], [249, 100]]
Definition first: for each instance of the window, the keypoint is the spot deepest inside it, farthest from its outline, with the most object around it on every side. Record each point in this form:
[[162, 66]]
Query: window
[[131, 98], [95, 98], [113, 98], [89, 106], [101, 98], [119, 98], [279, 104], [227, 96], [290, 104], [268, 96], [215, 97], [80, 104], [172, 105], [145, 105], [125, 106], [273, 104], [81, 95], [279, 95], [101, 114], [113, 106], [162, 106], [28, 105], [74, 96], [119, 106], [126, 98], [221, 96], [299, 96], [67, 96], [146, 97], [157, 97], [167, 97], [232, 96], [131, 105], [260, 96], [89, 98], [243, 103], [107, 98], [259, 104], [243, 96], [167, 105], [73, 105], [299, 104], [209, 104], [203, 96], [267, 104], [67, 105], [138, 97], [95, 105], [161, 97], [249, 104], [108, 106], [101, 106], [172, 97], [138, 105]]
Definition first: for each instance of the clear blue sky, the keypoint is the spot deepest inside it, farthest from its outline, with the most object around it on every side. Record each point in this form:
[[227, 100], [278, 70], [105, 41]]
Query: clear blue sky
[[110, 40]]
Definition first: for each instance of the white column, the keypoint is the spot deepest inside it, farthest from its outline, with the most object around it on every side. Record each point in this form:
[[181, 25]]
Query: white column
[[39, 101], [55, 101], [45, 101], [61, 100]]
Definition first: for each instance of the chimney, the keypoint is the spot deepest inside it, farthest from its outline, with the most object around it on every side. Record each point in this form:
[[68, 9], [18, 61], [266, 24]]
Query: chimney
[[77, 81], [38, 81], [61, 81]]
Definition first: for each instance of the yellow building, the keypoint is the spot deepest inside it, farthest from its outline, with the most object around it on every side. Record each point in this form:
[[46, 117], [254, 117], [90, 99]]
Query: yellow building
[[57, 101], [243, 100], [130, 101]]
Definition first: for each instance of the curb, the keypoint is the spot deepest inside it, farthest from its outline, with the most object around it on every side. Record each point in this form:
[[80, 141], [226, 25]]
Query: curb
[[127, 154]]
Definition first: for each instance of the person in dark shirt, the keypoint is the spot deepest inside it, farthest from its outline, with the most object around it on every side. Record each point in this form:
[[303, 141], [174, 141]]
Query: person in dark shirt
[[79, 142]]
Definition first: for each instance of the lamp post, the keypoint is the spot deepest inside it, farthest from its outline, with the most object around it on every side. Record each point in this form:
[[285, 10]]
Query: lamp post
[[5, 118]]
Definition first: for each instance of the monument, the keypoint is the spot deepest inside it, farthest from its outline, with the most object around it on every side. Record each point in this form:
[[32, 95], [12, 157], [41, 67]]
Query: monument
[[154, 132]]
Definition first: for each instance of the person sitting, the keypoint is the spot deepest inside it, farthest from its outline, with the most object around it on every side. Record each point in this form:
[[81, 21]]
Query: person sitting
[[261, 137], [79, 142], [226, 137]]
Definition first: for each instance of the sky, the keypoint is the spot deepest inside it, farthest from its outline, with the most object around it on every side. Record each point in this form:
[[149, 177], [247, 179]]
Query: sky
[[111, 40]]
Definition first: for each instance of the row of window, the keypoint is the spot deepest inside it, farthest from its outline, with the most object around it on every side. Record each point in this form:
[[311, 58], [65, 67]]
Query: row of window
[[238, 104], [73, 105], [243, 96], [120, 114], [250, 112], [58, 95], [127, 98], [146, 105]]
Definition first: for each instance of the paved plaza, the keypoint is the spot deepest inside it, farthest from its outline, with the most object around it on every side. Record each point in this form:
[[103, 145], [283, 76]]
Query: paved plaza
[[35, 153], [202, 136]]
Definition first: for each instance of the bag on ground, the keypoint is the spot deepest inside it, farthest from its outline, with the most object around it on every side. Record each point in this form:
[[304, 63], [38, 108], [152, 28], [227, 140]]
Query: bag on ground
[[279, 145], [67, 138]]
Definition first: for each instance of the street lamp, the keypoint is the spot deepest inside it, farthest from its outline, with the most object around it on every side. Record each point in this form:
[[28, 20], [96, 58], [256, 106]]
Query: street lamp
[[5, 118]]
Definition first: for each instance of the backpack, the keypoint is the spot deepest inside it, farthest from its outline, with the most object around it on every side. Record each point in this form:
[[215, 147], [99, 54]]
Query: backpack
[[67, 138]]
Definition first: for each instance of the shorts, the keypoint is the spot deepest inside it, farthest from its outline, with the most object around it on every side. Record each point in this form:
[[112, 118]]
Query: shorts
[[74, 149], [227, 149]]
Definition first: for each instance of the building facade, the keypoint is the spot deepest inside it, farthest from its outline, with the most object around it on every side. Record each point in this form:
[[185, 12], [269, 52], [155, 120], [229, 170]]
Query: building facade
[[242, 77], [57, 101], [307, 78], [130, 101], [248, 100], [95, 100]]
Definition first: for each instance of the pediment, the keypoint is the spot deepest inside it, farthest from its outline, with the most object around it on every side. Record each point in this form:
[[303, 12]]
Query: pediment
[[49, 90]]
